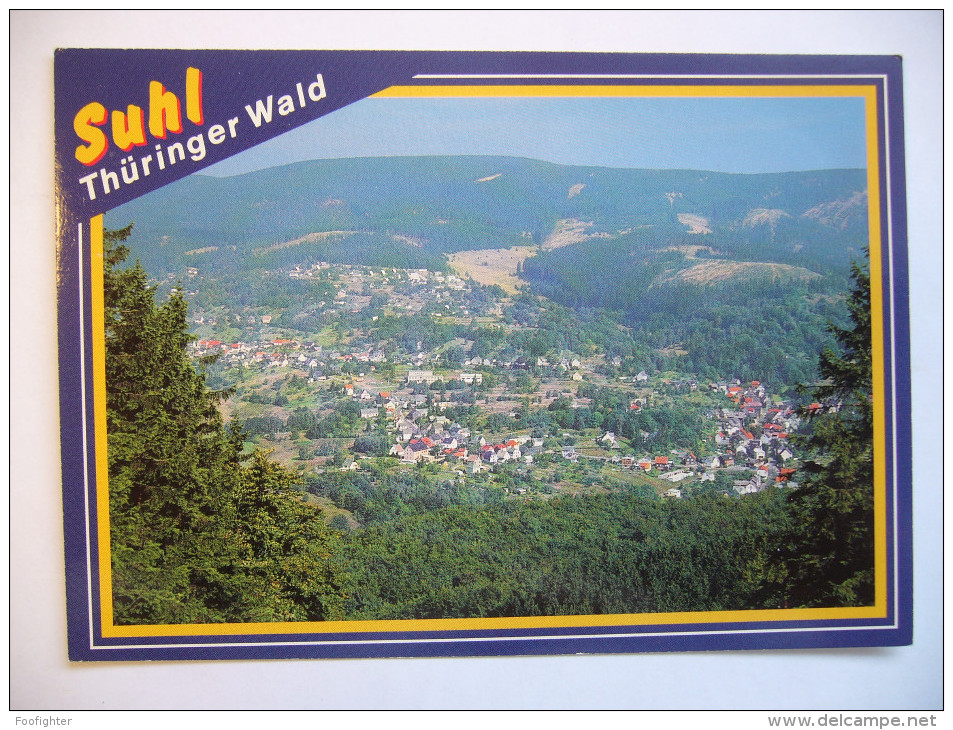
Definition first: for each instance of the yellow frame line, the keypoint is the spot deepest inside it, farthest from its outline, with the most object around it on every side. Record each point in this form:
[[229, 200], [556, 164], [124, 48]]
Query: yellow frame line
[[97, 295], [612, 90]]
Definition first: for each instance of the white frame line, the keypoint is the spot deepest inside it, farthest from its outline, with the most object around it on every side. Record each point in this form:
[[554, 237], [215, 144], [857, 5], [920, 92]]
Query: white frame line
[[887, 237]]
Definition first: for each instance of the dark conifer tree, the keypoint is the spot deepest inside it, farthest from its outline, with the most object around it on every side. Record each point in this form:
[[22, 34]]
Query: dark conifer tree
[[829, 557], [196, 536]]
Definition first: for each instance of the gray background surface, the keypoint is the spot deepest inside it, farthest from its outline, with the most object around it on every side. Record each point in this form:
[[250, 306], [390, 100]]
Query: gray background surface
[[906, 678]]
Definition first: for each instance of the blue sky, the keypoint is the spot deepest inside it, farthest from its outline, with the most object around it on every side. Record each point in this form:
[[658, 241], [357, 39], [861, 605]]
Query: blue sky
[[743, 135]]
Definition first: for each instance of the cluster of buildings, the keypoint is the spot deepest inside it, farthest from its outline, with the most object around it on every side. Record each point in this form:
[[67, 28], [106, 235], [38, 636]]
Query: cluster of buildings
[[455, 444], [754, 436], [752, 442], [284, 353], [752, 439], [408, 291]]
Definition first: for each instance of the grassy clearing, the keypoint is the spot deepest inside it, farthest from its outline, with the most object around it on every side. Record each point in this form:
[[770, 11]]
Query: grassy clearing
[[711, 272], [493, 266]]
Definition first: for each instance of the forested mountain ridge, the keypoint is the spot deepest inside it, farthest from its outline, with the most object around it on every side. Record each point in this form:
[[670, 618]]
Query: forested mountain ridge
[[738, 273], [646, 294], [404, 211]]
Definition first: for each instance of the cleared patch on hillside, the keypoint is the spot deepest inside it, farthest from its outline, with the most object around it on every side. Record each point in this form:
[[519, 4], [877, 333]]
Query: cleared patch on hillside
[[492, 266], [691, 252], [695, 223], [487, 179], [839, 213], [316, 237], [414, 241], [763, 217], [566, 233], [713, 272], [197, 251]]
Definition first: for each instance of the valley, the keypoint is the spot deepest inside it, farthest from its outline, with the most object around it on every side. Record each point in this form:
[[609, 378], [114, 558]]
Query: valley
[[487, 377], [417, 370]]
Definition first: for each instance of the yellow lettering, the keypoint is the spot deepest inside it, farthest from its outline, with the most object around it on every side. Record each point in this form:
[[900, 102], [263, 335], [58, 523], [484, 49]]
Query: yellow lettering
[[86, 124], [193, 95], [165, 111], [129, 129]]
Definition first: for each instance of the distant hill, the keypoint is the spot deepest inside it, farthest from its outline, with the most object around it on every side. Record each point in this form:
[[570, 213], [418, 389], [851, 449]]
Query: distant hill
[[721, 274], [410, 211]]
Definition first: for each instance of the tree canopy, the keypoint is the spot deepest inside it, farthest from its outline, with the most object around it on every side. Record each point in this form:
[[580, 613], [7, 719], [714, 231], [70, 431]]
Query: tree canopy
[[203, 532], [830, 555], [196, 534]]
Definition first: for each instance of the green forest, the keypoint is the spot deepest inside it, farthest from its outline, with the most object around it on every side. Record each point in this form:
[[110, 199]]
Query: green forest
[[428, 206], [747, 294], [204, 530], [759, 322], [200, 532]]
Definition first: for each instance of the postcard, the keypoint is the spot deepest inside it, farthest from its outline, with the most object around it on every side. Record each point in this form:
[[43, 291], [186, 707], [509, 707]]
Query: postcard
[[392, 354]]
